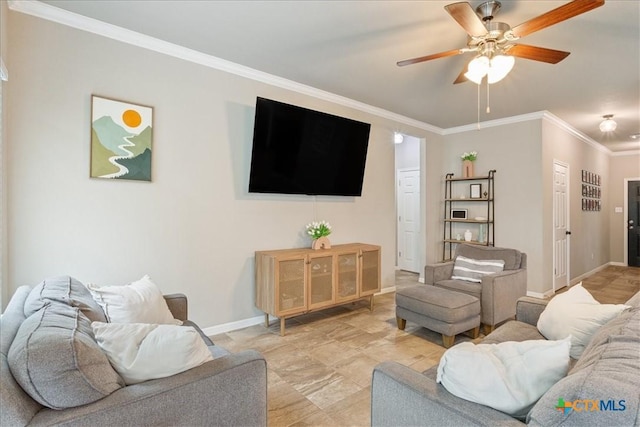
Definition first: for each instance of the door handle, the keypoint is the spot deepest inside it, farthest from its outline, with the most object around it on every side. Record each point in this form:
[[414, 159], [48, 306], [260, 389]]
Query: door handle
[[568, 233]]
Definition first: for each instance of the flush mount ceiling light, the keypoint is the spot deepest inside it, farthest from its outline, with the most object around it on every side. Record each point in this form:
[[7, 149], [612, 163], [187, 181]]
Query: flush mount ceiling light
[[635, 136], [608, 124], [398, 138]]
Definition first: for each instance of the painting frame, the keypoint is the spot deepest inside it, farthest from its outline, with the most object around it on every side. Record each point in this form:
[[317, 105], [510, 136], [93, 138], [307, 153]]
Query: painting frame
[[121, 142]]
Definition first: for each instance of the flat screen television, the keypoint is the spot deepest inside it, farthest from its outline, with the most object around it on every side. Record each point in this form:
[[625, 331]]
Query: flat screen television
[[301, 151]]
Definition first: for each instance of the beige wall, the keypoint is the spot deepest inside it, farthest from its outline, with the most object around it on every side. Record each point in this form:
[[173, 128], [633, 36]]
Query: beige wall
[[195, 228], [621, 167], [514, 151], [589, 240]]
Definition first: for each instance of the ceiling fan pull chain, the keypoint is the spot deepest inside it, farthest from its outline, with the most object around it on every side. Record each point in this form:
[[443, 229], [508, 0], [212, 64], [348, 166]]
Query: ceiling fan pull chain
[[478, 107], [488, 107]]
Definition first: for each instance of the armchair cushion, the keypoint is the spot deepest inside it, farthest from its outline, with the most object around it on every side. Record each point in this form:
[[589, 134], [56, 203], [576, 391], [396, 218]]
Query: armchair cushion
[[472, 270], [469, 288], [512, 258]]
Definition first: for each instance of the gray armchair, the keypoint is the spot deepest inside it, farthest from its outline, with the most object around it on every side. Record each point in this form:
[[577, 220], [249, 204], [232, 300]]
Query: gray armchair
[[497, 293]]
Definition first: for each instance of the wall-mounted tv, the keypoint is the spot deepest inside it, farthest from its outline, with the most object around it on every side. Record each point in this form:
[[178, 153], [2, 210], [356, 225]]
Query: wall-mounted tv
[[301, 151]]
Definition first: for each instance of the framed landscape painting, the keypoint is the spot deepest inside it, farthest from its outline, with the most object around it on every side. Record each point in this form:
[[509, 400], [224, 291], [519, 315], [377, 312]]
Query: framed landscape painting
[[121, 139]]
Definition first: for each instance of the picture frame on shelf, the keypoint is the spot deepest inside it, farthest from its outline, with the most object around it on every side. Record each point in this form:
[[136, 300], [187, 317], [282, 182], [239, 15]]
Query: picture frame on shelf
[[475, 191]]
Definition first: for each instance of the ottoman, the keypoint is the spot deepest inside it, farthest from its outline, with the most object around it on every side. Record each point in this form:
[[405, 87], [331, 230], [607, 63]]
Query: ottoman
[[439, 310]]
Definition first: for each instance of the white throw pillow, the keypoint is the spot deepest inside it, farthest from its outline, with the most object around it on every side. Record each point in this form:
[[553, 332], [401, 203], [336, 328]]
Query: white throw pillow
[[472, 270], [509, 376], [578, 314], [142, 351], [137, 302]]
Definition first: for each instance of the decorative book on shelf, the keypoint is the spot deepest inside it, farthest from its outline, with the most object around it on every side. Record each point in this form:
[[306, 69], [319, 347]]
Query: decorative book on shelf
[[468, 212]]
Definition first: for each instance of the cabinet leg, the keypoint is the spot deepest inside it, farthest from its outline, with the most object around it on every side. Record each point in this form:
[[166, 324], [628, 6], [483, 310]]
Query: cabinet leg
[[282, 326], [266, 320], [371, 303]]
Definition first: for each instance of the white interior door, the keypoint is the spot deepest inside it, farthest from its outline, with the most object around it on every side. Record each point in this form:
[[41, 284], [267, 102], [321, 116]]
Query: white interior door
[[560, 225], [409, 220]]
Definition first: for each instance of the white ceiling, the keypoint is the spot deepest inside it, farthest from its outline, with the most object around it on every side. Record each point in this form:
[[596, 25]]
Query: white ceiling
[[350, 48]]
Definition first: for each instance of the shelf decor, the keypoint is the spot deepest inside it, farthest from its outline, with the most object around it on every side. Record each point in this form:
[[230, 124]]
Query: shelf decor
[[319, 232], [466, 218], [467, 163]]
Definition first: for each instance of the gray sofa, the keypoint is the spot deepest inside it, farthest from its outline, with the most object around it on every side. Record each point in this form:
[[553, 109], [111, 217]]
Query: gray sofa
[[607, 371], [229, 390], [497, 293]]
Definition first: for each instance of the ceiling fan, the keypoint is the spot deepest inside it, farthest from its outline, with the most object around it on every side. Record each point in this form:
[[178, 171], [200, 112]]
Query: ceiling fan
[[495, 42]]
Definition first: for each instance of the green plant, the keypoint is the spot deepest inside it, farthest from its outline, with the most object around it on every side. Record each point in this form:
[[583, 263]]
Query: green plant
[[469, 156], [318, 229]]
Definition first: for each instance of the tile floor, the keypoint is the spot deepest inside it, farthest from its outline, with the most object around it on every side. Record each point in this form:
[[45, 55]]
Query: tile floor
[[319, 373]]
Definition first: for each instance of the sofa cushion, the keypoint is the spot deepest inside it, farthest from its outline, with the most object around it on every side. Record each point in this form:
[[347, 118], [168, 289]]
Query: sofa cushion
[[473, 270], [142, 351], [512, 258], [513, 331], [578, 314], [56, 360], [66, 290], [137, 302], [509, 377], [606, 373]]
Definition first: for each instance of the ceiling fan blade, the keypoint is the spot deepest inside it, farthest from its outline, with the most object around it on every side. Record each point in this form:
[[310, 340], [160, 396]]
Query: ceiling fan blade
[[536, 53], [562, 13], [464, 14], [430, 57], [461, 78]]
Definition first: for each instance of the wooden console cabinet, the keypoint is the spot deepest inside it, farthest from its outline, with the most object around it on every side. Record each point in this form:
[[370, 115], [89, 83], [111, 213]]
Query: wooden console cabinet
[[291, 282]]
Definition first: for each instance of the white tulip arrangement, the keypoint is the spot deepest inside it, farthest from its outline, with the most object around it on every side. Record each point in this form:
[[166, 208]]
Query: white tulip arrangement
[[317, 229]]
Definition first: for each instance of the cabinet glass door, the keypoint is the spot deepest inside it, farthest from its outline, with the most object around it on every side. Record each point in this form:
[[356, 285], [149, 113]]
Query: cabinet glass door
[[321, 280], [347, 277], [291, 285], [370, 272]]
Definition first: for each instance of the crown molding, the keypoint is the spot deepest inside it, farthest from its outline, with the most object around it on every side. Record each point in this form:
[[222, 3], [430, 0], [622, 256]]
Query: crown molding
[[493, 123], [569, 129], [84, 23], [625, 153]]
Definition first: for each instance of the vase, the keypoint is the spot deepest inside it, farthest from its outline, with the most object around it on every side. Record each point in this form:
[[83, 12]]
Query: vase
[[467, 236], [321, 243], [467, 169]]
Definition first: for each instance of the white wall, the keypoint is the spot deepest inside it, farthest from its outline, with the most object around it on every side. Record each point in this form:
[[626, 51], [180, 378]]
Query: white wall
[[195, 228], [4, 50]]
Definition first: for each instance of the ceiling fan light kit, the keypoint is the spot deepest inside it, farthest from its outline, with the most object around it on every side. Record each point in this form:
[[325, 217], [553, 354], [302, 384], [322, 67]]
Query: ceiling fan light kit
[[608, 124], [495, 42]]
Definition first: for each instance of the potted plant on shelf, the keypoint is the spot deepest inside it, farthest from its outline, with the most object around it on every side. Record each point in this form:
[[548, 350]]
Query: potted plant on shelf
[[467, 163], [319, 230]]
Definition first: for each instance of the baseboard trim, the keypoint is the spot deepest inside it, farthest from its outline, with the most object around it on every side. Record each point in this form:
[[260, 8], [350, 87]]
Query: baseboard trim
[[232, 326], [579, 279], [618, 264], [259, 320]]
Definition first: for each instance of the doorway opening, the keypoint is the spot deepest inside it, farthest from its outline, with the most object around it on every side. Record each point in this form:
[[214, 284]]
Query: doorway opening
[[409, 238]]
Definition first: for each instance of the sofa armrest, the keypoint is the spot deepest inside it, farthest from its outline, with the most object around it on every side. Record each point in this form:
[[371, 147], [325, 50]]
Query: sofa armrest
[[177, 304], [500, 291], [433, 273], [228, 391], [401, 396], [528, 309]]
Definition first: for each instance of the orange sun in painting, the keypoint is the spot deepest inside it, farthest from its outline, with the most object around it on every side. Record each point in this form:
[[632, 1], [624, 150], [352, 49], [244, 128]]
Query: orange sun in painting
[[131, 118]]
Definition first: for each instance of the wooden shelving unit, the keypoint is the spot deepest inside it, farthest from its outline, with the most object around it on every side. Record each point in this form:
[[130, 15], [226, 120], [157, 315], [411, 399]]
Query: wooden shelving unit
[[483, 204]]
